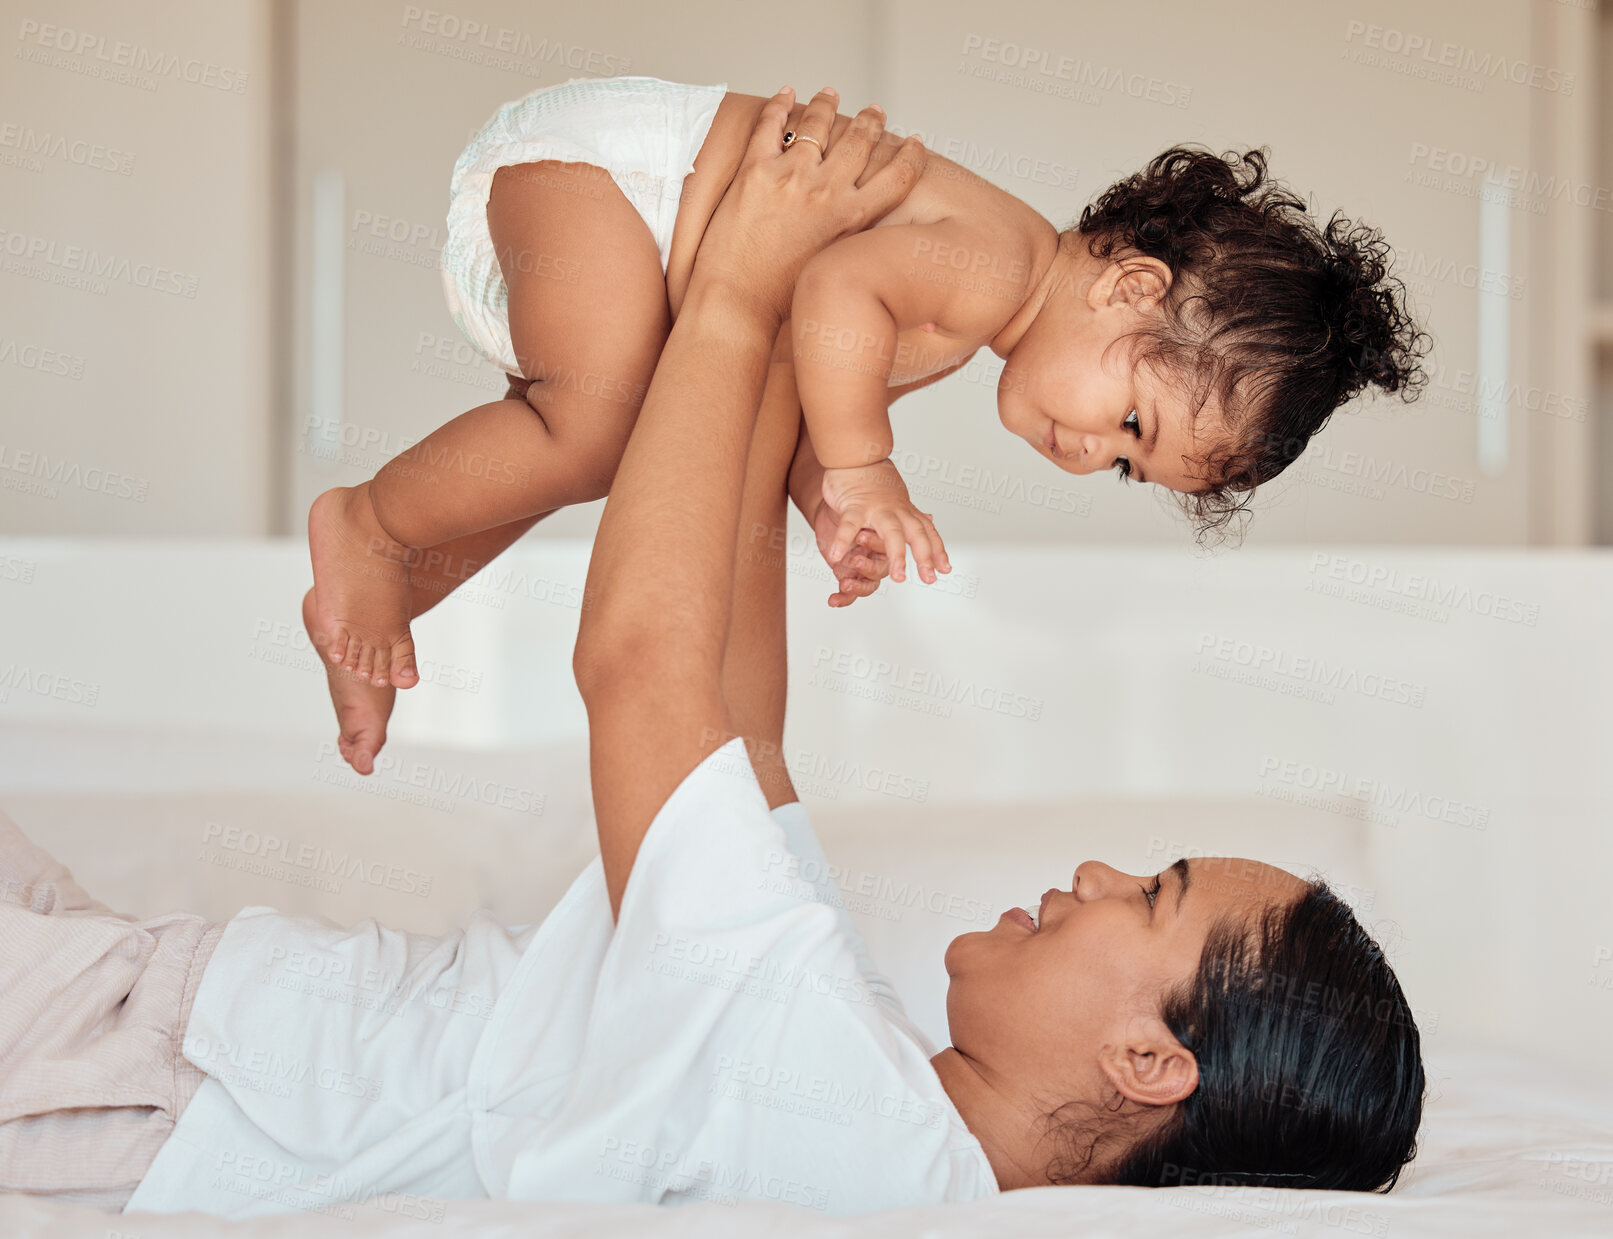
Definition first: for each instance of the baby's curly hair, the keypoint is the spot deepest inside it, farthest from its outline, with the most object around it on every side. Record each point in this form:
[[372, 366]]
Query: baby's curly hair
[[1283, 321]]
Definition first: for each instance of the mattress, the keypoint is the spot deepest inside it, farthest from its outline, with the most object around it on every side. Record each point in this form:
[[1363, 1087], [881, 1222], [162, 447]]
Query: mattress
[[959, 752], [1507, 1150]]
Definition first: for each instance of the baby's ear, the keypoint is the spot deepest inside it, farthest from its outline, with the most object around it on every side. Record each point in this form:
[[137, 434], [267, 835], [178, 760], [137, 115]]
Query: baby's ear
[[1141, 281]]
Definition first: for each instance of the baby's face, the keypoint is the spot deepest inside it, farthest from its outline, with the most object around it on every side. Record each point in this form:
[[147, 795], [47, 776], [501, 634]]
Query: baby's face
[[1070, 389]]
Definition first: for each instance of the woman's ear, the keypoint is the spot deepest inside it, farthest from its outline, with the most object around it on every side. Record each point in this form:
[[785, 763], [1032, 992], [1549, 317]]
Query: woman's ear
[[1150, 1066]]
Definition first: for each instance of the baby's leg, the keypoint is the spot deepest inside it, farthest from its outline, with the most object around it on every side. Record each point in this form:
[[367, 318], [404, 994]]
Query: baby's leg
[[364, 708], [588, 316]]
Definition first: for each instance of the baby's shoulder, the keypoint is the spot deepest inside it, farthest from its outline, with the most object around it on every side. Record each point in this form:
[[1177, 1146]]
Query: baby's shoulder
[[979, 253], [949, 190]]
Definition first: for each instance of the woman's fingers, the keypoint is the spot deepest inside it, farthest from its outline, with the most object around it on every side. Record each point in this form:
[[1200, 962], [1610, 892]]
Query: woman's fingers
[[859, 573], [882, 191], [868, 545], [852, 147], [851, 589], [816, 122], [782, 207], [767, 139], [857, 562]]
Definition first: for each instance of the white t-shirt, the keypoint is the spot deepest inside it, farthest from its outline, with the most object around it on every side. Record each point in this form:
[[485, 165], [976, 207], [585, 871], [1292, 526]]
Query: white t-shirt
[[727, 1039]]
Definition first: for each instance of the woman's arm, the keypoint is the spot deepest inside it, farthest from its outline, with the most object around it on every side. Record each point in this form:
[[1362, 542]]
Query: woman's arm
[[655, 615]]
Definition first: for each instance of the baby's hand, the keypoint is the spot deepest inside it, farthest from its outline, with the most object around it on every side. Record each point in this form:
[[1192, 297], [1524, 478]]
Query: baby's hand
[[858, 572], [875, 497]]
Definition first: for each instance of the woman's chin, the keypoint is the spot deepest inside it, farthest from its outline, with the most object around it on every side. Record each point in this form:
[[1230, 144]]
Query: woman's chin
[[958, 950]]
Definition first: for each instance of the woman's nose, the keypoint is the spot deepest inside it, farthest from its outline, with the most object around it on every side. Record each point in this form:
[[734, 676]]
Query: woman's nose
[[1093, 880]]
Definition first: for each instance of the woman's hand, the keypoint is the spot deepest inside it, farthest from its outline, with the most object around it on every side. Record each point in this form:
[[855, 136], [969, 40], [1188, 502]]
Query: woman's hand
[[860, 570], [787, 203], [875, 497]]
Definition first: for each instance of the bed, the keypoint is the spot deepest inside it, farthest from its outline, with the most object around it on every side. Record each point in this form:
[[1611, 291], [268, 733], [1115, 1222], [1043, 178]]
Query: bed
[[960, 752]]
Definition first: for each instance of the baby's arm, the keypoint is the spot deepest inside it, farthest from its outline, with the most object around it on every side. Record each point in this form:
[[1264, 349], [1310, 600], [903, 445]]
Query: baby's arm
[[851, 302], [859, 572]]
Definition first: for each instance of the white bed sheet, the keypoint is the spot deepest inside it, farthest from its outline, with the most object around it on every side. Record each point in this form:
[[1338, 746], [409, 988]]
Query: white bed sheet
[[1509, 1150], [1512, 1145]]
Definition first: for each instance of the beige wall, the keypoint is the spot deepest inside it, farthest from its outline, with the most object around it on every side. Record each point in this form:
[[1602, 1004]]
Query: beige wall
[[176, 391], [1339, 131], [1603, 241], [389, 100], [134, 401]]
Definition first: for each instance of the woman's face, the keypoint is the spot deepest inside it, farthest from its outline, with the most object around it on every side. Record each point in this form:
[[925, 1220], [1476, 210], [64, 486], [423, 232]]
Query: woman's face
[[1081, 991]]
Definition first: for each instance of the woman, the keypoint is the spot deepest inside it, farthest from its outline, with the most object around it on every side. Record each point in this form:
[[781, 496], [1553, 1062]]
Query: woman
[[693, 1021]]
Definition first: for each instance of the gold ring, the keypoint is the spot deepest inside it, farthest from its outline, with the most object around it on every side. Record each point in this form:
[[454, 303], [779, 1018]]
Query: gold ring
[[791, 138]]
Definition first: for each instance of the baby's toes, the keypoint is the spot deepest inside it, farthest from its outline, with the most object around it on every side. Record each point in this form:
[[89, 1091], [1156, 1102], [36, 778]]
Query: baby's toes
[[333, 645], [360, 658], [361, 753], [404, 672], [353, 652], [359, 750], [380, 665]]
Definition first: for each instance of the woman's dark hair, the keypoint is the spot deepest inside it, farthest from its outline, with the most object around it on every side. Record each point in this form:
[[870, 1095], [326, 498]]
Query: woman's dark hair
[[1310, 1067], [1283, 321]]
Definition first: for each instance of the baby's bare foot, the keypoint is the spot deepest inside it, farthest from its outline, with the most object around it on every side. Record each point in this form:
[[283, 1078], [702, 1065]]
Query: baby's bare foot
[[361, 590], [362, 709]]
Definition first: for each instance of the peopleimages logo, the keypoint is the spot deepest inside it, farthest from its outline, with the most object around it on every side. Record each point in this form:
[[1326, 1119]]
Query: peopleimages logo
[[135, 57], [1273, 666], [479, 43], [1383, 800], [92, 264], [1040, 68], [1487, 65], [881, 679], [1340, 574], [315, 858]]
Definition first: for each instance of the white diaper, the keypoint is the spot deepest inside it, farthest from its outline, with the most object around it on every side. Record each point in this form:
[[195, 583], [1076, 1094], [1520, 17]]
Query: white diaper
[[643, 131]]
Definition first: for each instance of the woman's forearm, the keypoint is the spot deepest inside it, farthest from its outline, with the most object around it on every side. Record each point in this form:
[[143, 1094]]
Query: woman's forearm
[[674, 506], [805, 483], [656, 609], [655, 620]]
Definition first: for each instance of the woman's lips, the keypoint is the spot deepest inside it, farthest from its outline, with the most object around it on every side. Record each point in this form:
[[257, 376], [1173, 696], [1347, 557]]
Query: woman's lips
[[1021, 918], [1051, 443]]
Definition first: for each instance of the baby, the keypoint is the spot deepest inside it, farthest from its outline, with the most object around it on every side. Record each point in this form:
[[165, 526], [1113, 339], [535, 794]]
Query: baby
[[1192, 330]]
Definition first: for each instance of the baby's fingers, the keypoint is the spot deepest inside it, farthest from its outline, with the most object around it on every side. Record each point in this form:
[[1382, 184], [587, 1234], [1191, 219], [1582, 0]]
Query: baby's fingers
[[917, 531], [942, 562], [889, 528], [845, 536]]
